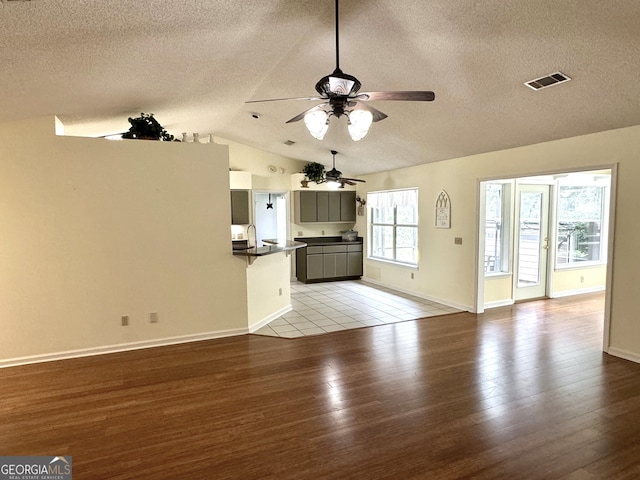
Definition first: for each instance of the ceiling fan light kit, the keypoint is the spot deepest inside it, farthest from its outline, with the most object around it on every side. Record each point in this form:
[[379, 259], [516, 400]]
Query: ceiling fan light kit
[[340, 94], [359, 123], [317, 122]]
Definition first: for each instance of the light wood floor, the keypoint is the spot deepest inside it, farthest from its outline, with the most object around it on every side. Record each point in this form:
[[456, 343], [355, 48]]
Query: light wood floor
[[520, 392]]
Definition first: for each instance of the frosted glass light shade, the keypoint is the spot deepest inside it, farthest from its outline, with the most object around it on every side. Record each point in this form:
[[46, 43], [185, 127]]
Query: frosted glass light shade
[[359, 123], [317, 123]]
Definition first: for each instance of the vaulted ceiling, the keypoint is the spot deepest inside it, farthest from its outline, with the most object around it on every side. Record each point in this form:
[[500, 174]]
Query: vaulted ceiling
[[193, 63]]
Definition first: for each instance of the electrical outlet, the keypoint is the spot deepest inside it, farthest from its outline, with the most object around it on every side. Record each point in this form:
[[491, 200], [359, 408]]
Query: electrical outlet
[[412, 276], [581, 278], [280, 292], [457, 240], [153, 317], [300, 233], [322, 232], [125, 320]]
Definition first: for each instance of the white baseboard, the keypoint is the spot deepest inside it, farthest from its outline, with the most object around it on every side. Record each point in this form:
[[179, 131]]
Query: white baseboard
[[459, 306], [617, 352], [87, 352], [579, 291], [270, 318], [498, 303]]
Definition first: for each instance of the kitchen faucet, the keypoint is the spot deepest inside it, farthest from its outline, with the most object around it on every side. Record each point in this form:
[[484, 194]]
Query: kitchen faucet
[[255, 236]]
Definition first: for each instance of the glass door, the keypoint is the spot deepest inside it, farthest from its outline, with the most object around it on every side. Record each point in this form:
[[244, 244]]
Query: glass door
[[532, 241]]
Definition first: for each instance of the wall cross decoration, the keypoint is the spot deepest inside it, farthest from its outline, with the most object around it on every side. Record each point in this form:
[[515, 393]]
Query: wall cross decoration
[[443, 210]]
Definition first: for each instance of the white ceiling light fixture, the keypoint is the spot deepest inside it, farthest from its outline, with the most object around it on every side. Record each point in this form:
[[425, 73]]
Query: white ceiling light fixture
[[317, 122], [359, 123]]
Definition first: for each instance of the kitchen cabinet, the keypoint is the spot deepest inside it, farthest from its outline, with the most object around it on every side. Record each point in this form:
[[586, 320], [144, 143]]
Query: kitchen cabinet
[[325, 206], [334, 259], [240, 211], [348, 206], [306, 206], [339, 261], [313, 263], [354, 260]]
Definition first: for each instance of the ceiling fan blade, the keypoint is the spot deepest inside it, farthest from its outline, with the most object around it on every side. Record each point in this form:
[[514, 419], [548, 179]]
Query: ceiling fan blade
[[300, 116], [283, 99], [353, 180], [377, 114], [412, 96]]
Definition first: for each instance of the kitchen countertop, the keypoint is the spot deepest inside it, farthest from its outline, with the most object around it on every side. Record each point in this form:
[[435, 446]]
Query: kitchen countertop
[[327, 240], [275, 246]]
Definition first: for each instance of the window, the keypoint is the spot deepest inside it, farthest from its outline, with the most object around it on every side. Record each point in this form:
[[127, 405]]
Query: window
[[582, 221], [394, 226], [497, 227]]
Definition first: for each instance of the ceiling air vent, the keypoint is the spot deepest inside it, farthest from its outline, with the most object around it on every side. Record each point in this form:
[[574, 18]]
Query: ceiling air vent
[[547, 81]]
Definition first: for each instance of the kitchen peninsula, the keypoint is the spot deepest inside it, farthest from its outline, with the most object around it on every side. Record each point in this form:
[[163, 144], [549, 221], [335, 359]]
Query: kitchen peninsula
[[274, 246]]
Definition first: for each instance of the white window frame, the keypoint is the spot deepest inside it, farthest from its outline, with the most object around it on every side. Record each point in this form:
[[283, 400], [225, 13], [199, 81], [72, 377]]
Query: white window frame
[[604, 227], [506, 241], [394, 196]]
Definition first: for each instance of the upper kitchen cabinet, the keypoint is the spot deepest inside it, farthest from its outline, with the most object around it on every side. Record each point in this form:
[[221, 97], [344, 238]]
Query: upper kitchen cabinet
[[325, 206], [240, 212], [240, 184], [348, 206]]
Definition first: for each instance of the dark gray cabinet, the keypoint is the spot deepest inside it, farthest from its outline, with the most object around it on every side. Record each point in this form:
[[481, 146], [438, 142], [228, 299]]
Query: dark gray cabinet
[[354, 260], [348, 206], [325, 206], [306, 206], [309, 263], [240, 212], [335, 261], [329, 262]]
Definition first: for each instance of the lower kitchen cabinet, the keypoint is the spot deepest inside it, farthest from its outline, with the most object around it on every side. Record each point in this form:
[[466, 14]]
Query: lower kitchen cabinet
[[329, 262], [334, 265], [354, 264], [314, 266]]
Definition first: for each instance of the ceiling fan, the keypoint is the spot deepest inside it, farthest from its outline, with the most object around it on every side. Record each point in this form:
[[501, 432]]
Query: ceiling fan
[[340, 94], [335, 176]]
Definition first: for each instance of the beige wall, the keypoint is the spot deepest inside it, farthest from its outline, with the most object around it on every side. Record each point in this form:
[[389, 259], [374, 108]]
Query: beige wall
[[498, 289], [249, 159], [570, 280], [267, 277], [447, 271], [95, 229]]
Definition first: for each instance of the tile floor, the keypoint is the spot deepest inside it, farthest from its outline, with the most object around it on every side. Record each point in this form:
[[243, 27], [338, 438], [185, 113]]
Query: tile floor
[[327, 307]]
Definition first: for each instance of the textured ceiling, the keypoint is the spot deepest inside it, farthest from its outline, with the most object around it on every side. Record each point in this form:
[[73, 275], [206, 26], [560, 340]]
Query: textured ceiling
[[193, 63]]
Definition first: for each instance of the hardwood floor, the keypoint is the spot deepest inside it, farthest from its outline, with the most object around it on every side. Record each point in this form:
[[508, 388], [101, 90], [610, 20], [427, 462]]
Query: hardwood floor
[[520, 392]]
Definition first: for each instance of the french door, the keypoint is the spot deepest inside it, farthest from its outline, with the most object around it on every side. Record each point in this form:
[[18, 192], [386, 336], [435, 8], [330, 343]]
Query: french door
[[531, 246]]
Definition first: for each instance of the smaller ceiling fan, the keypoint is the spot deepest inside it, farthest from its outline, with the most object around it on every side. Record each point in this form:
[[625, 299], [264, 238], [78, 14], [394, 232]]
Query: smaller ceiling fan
[[335, 175]]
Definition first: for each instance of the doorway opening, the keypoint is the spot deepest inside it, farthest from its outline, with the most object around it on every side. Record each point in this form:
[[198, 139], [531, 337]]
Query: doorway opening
[[270, 215], [544, 236]]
